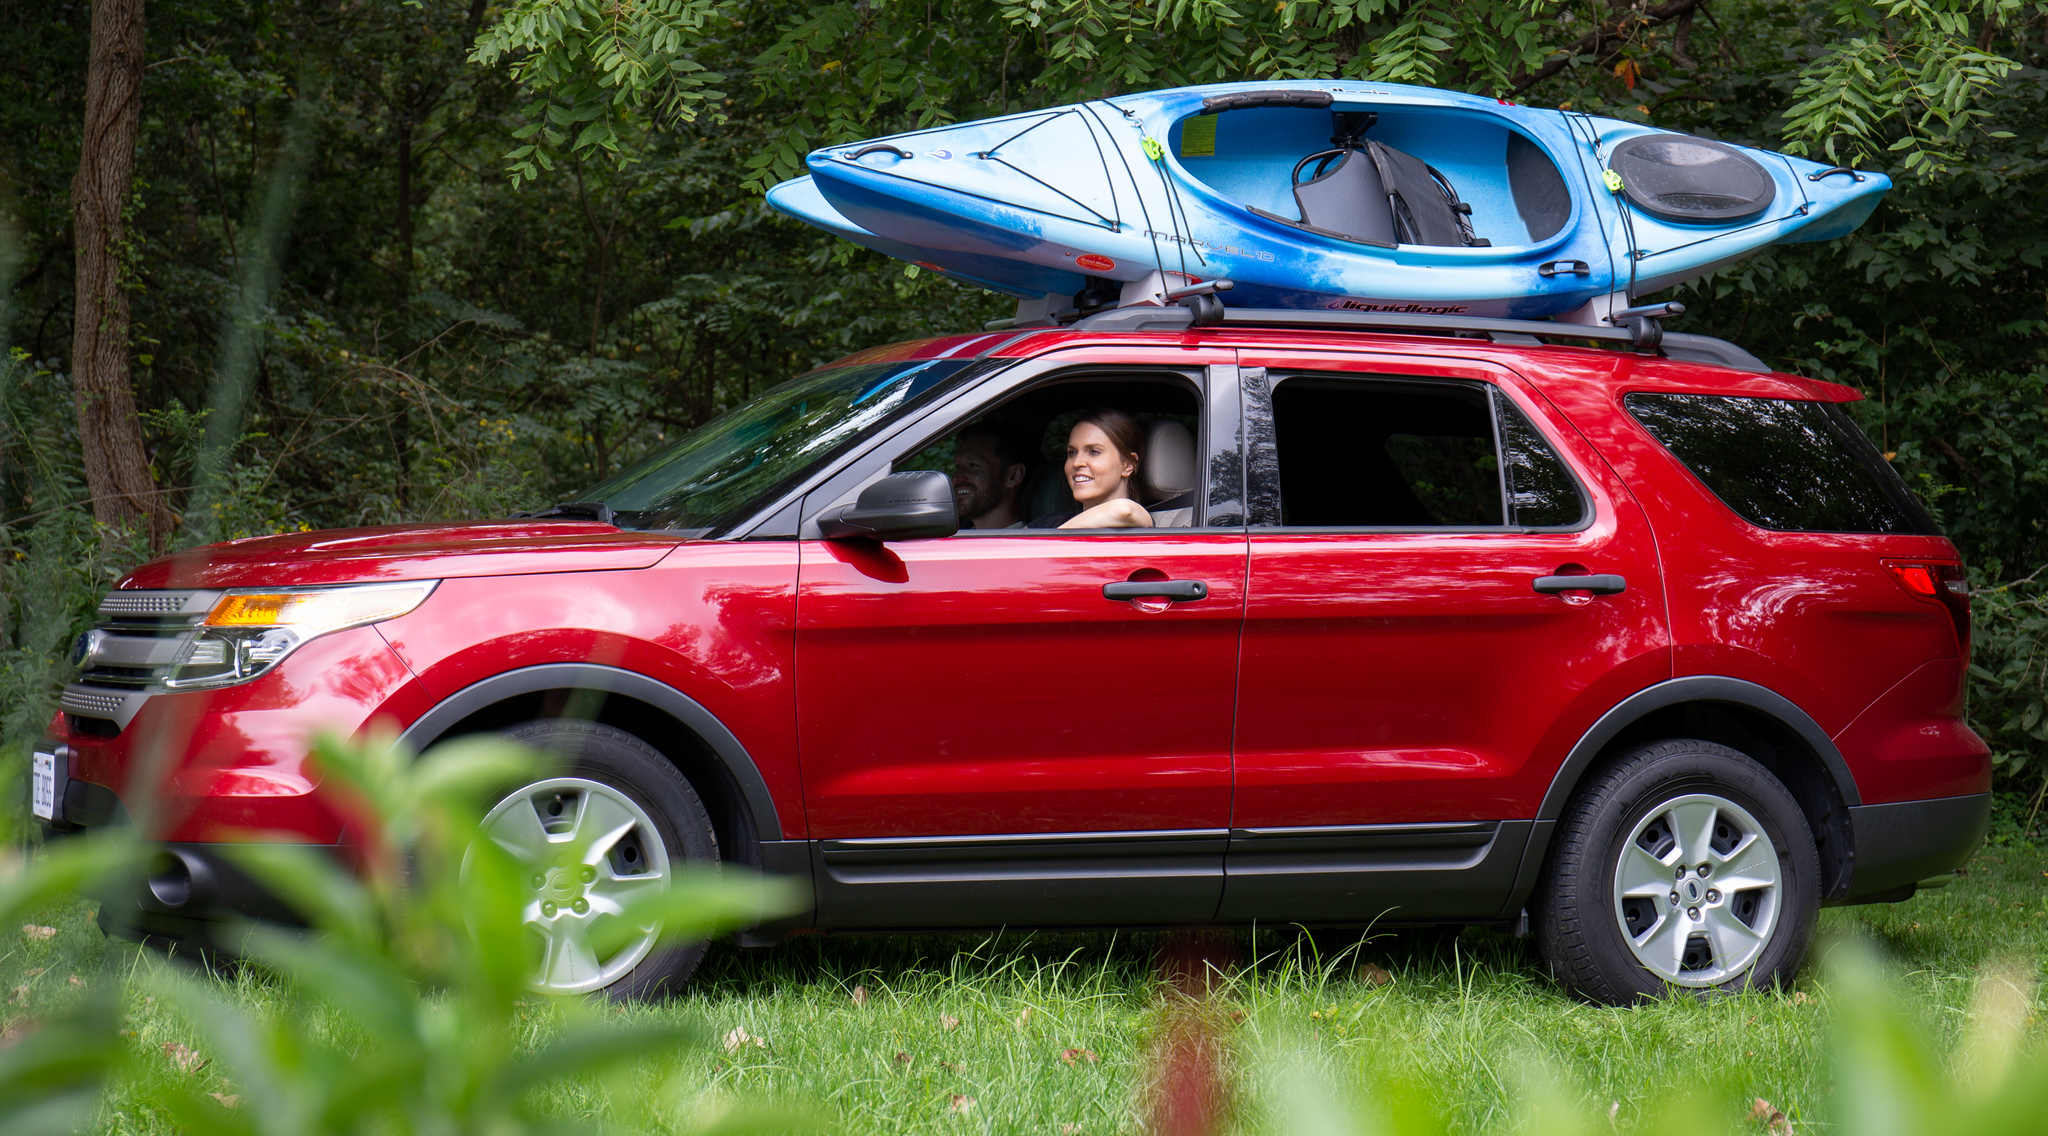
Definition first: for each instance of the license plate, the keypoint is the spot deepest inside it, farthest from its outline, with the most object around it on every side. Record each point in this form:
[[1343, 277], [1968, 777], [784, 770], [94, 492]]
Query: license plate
[[43, 786]]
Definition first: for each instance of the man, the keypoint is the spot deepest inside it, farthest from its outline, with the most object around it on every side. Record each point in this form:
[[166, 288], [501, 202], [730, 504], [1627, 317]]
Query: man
[[990, 463]]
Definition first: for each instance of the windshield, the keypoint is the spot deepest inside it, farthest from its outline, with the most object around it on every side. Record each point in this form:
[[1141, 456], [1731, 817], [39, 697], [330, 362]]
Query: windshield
[[720, 471]]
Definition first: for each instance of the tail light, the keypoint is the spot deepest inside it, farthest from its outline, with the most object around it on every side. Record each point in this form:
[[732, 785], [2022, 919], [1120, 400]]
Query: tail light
[[1942, 581]]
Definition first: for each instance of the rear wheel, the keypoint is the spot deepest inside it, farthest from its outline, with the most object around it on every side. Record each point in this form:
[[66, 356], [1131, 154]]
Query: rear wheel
[[616, 820], [1685, 865]]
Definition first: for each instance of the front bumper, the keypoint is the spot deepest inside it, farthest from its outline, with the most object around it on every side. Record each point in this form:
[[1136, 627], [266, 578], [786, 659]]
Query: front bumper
[[196, 894], [213, 765], [1900, 844]]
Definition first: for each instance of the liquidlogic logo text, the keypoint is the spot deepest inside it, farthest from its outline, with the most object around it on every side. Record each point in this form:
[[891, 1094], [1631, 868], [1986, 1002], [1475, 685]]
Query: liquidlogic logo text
[[1406, 309]]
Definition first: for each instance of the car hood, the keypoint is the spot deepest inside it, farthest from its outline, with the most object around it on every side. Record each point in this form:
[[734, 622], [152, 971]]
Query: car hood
[[405, 552]]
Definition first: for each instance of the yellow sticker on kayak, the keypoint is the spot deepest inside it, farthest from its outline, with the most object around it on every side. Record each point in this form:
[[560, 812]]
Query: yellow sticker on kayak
[[1198, 137]]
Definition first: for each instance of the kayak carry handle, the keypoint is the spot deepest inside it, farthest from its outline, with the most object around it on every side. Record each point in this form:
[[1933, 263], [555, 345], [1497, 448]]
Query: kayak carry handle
[[1246, 100], [1836, 170], [879, 147]]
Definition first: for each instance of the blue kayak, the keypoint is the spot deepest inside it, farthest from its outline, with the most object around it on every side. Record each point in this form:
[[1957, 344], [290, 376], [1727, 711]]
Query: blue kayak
[[1319, 194]]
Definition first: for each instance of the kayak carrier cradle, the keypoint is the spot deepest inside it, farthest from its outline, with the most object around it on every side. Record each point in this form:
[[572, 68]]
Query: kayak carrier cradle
[[1641, 328]]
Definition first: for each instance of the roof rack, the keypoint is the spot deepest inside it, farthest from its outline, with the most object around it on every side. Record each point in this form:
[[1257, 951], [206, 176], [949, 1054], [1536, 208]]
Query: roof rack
[[1676, 345]]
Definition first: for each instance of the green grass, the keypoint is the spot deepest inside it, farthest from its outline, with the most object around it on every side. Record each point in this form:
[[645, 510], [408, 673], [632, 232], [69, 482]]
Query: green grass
[[1471, 1026]]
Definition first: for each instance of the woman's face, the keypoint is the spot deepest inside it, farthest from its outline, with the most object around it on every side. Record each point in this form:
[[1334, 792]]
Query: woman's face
[[1095, 471]]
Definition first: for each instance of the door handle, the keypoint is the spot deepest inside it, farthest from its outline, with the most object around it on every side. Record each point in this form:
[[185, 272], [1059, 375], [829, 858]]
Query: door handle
[[1156, 590], [1602, 585]]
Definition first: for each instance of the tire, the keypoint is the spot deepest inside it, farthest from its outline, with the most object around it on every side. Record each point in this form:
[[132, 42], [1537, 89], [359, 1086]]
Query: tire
[[628, 788], [1604, 920]]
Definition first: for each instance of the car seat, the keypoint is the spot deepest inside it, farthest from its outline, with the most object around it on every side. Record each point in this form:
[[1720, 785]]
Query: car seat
[[1167, 474]]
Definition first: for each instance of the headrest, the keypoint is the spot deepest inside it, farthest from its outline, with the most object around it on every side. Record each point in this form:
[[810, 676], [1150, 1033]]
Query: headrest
[[1168, 467]]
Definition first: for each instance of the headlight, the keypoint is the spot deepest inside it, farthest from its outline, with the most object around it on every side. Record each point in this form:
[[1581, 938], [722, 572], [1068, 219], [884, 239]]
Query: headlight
[[250, 630]]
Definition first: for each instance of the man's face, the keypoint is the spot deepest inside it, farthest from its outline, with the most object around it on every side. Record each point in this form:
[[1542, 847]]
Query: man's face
[[979, 482]]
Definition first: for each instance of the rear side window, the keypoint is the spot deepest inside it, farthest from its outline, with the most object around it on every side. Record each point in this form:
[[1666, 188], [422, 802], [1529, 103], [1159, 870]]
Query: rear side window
[[1404, 454], [1783, 464]]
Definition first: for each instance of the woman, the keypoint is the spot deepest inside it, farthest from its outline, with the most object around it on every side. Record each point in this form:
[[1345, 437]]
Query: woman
[[1102, 459]]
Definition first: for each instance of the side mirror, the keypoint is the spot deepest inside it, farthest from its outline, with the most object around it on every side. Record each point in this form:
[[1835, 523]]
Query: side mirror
[[901, 506]]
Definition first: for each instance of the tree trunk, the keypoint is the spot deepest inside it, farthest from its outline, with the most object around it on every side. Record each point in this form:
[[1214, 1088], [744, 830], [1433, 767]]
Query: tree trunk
[[405, 206], [116, 465]]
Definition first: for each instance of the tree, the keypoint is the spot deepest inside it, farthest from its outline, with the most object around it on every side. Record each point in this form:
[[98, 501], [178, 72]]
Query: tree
[[1909, 78], [116, 464]]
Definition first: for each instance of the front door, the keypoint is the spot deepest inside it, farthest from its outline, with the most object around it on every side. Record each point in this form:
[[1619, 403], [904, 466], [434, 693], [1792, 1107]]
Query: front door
[[1416, 655], [985, 734]]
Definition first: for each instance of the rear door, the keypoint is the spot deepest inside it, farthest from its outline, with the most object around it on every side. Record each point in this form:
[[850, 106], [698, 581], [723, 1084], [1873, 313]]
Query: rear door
[[1415, 662]]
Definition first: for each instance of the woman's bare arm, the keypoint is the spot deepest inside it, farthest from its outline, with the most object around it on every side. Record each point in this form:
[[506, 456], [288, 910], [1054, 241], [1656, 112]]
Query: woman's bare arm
[[1121, 513]]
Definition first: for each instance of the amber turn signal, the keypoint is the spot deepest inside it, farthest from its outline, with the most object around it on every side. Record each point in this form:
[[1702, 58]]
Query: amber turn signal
[[313, 611]]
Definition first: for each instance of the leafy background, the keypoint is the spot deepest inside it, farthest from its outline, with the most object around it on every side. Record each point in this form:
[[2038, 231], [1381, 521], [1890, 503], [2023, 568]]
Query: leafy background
[[520, 244], [394, 260]]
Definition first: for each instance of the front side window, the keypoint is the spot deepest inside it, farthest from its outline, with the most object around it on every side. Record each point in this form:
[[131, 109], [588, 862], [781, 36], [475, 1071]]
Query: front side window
[[1356, 453], [1782, 464], [723, 470], [1063, 454]]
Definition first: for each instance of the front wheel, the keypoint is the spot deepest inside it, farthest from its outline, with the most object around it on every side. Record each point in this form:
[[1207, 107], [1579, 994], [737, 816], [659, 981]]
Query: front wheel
[[1684, 865], [619, 819]]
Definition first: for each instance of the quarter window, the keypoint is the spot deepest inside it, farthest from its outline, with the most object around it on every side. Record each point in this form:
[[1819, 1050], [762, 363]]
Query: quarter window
[[1540, 490], [1782, 464]]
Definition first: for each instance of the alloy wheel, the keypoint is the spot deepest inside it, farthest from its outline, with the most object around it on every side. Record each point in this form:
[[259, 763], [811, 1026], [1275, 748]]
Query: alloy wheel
[[585, 850], [1697, 890]]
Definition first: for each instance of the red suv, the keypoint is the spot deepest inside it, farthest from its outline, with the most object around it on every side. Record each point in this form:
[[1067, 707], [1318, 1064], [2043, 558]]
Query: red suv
[[1637, 647]]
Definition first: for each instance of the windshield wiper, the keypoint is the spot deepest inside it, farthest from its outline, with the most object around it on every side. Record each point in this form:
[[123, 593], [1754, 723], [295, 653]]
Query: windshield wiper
[[575, 510]]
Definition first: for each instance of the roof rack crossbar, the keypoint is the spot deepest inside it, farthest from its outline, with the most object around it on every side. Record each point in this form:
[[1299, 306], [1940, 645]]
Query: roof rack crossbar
[[1677, 345]]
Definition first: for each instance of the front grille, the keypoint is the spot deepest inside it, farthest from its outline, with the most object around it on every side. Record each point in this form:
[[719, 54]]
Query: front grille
[[132, 650], [113, 678]]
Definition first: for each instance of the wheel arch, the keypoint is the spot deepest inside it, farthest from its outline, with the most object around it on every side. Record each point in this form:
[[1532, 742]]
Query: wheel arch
[[1744, 716], [743, 811]]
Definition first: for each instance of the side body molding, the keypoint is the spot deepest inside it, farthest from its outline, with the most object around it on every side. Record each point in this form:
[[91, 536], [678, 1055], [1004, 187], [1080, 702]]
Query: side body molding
[[610, 680], [1695, 688]]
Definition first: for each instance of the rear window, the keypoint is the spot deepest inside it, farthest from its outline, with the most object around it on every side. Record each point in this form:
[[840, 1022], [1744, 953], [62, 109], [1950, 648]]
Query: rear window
[[1783, 464]]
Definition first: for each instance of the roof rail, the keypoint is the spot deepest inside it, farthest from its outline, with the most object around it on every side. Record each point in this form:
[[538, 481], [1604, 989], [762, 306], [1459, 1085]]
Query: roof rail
[[1676, 345]]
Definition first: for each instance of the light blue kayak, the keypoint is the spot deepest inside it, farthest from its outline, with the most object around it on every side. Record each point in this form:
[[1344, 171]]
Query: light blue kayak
[[1320, 194]]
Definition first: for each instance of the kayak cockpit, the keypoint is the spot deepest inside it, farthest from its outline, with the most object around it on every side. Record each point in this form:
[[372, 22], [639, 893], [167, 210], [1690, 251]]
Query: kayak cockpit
[[1512, 195]]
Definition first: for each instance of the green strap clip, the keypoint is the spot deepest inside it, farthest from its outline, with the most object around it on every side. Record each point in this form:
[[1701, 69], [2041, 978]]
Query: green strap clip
[[1612, 179], [1153, 149]]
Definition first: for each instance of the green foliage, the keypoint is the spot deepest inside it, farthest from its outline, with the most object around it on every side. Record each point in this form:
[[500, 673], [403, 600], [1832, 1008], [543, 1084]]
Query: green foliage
[[1908, 77], [1889, 1074], [50, 1075], [55, 561], [2009, 675], [422, 958], [597, 62], [401, 1012], [1911, 79]]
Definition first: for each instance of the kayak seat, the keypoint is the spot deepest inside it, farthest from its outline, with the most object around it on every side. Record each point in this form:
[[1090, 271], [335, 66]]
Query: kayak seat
[[1375, 194], [1348, 198]]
